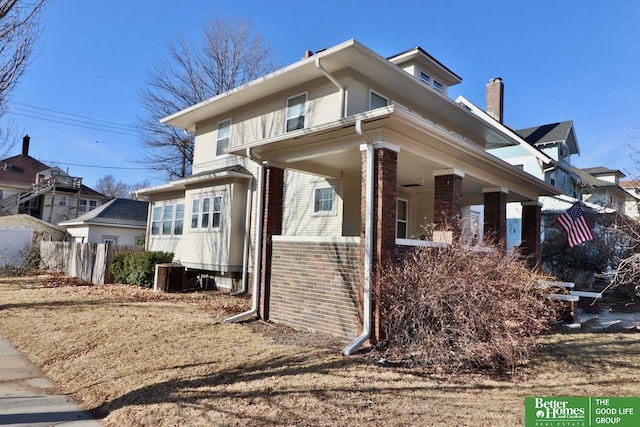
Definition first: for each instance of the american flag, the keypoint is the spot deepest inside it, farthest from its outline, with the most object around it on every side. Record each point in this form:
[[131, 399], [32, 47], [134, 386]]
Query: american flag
[[575, 225]]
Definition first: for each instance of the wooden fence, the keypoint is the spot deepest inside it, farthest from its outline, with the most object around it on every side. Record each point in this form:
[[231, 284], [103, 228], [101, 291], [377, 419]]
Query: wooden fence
[[87, 261]]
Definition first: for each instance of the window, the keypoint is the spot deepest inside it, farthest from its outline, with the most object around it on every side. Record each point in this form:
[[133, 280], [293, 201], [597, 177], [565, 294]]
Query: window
[[224, 135], [110, 240], [195, 213], [208, 214], [156, 217], [178, 224], [401, 218], [206, 203], [1, 194], [429, 81], [377, 101], [167, 220], [425, 78], [323, 200], [87, 205], [62, 200], [296, 112], [216, 214]]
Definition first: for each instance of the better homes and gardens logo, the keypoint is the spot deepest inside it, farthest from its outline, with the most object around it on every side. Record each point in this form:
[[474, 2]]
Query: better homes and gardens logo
[[582, 411]]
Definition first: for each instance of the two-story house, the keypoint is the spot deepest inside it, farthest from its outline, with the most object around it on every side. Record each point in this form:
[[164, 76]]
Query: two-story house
[[28, 186], [312, 177]]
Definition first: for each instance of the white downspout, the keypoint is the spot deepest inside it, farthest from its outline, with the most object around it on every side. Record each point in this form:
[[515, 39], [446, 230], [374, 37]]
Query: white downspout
[[368, 246], [336, 83], [257, 258], [247, 241]]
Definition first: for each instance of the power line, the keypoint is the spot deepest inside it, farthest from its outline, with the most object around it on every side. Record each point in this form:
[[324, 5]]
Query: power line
[[72, 124], [92, 119], [51, 162]]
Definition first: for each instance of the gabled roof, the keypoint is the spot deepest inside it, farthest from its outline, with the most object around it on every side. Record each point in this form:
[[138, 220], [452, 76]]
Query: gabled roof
[[20, 171], [601, 170], [589, 176], [552, 132], [420, 55], [116, 212]]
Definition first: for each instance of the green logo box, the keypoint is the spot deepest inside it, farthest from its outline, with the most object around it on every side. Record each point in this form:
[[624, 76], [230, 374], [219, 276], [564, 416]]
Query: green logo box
[[581, 411]]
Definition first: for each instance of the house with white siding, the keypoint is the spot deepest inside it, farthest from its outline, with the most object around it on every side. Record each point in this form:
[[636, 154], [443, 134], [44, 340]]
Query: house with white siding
[[309, 179]]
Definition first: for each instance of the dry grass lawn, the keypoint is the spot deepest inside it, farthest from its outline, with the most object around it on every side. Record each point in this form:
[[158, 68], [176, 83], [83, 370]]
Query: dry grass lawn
[[137, 358]]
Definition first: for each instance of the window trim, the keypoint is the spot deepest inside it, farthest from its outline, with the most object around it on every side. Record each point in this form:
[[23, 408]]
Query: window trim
[[211, 214], [379, 95], [304, 114], [218, 139]]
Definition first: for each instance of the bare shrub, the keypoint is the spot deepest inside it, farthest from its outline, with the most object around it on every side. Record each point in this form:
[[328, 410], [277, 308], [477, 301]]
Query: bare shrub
[[459, 308]]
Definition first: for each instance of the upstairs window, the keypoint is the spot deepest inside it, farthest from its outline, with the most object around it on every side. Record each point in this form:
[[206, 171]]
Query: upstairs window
[[377, 101], [223, 137], [85, 205], [438, 86], [430, 81], [296, 112], [62, 200], [425, 78]]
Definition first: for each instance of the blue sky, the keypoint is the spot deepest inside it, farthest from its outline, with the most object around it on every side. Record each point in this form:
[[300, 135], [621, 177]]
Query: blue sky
[[559, 60]]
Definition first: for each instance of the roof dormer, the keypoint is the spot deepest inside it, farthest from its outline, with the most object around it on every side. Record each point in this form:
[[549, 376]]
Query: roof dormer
[[426, 68]]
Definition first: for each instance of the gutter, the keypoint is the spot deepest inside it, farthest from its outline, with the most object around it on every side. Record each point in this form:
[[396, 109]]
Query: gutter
[[257, 258], [336, 83], [368, 245]]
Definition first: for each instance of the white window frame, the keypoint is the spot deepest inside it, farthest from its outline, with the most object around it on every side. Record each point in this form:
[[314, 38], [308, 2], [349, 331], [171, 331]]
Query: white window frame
[[209, 213], [62, 200], [402, 221], [437, 85], [425, 78], [315, 200], [289, 109], [111, 240], [219, 140], [166, 227], [373, 93]]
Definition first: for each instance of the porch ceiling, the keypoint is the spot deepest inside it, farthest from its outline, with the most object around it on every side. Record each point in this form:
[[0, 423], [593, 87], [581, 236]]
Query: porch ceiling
[[334, 151]]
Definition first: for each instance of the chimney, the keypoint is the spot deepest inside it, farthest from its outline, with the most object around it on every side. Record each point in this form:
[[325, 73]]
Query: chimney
[[495, 99], [307, 54], [25, 145]]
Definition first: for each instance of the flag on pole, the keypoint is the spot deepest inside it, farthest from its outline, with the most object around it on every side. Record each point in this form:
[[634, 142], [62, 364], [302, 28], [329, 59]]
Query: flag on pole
[[575, 225]]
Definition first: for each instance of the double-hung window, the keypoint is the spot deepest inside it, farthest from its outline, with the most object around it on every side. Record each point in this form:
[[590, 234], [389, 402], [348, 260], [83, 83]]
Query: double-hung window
[[223, 137], [402, 216], [296, 112], [323, 200], [216, 213], [195, 213], [167, 218], [377, 101], [178, 223]]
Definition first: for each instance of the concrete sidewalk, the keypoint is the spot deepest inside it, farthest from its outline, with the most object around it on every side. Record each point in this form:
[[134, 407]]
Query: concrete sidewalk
[[25, 395]]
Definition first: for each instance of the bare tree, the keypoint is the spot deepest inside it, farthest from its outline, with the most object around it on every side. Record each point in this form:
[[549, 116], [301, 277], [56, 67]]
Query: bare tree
[[229, 55], [108, 186], [19, 29]]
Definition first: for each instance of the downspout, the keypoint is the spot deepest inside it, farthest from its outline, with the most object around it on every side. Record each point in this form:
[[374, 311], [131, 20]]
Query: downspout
[[336, 83], [257, 258], [247, 240], [368, 246]]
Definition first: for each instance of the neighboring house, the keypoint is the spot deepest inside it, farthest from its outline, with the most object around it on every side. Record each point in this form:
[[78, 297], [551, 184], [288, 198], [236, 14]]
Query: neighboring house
[[543, 151], [28, 186], [632, 204], [314, 176], [601, 186], [119, 222], [19, 232]]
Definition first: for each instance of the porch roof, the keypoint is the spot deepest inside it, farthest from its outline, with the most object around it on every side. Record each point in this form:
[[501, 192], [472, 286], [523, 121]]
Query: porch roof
[[235, 171], [424, 147]]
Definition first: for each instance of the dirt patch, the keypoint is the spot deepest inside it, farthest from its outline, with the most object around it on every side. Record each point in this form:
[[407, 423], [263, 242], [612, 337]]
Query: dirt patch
[[136, 357]]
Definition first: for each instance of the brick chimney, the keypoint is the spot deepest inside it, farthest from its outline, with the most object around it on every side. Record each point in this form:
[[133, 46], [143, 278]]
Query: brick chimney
[[495, 99], [25, 145]]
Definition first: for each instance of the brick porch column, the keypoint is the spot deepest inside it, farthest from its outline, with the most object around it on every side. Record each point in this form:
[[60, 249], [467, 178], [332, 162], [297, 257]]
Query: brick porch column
[[273, 190], [447, 200], [531, 247], [384, 219], [495, 215]]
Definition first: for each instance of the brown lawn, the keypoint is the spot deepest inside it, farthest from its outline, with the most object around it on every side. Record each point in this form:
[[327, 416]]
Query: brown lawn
[[135, 357]]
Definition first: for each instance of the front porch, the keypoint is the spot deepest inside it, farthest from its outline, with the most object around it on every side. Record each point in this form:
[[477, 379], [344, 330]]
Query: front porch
[[418, 185]]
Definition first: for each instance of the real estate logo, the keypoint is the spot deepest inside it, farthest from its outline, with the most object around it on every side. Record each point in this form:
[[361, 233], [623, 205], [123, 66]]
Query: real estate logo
[[582, 411]]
